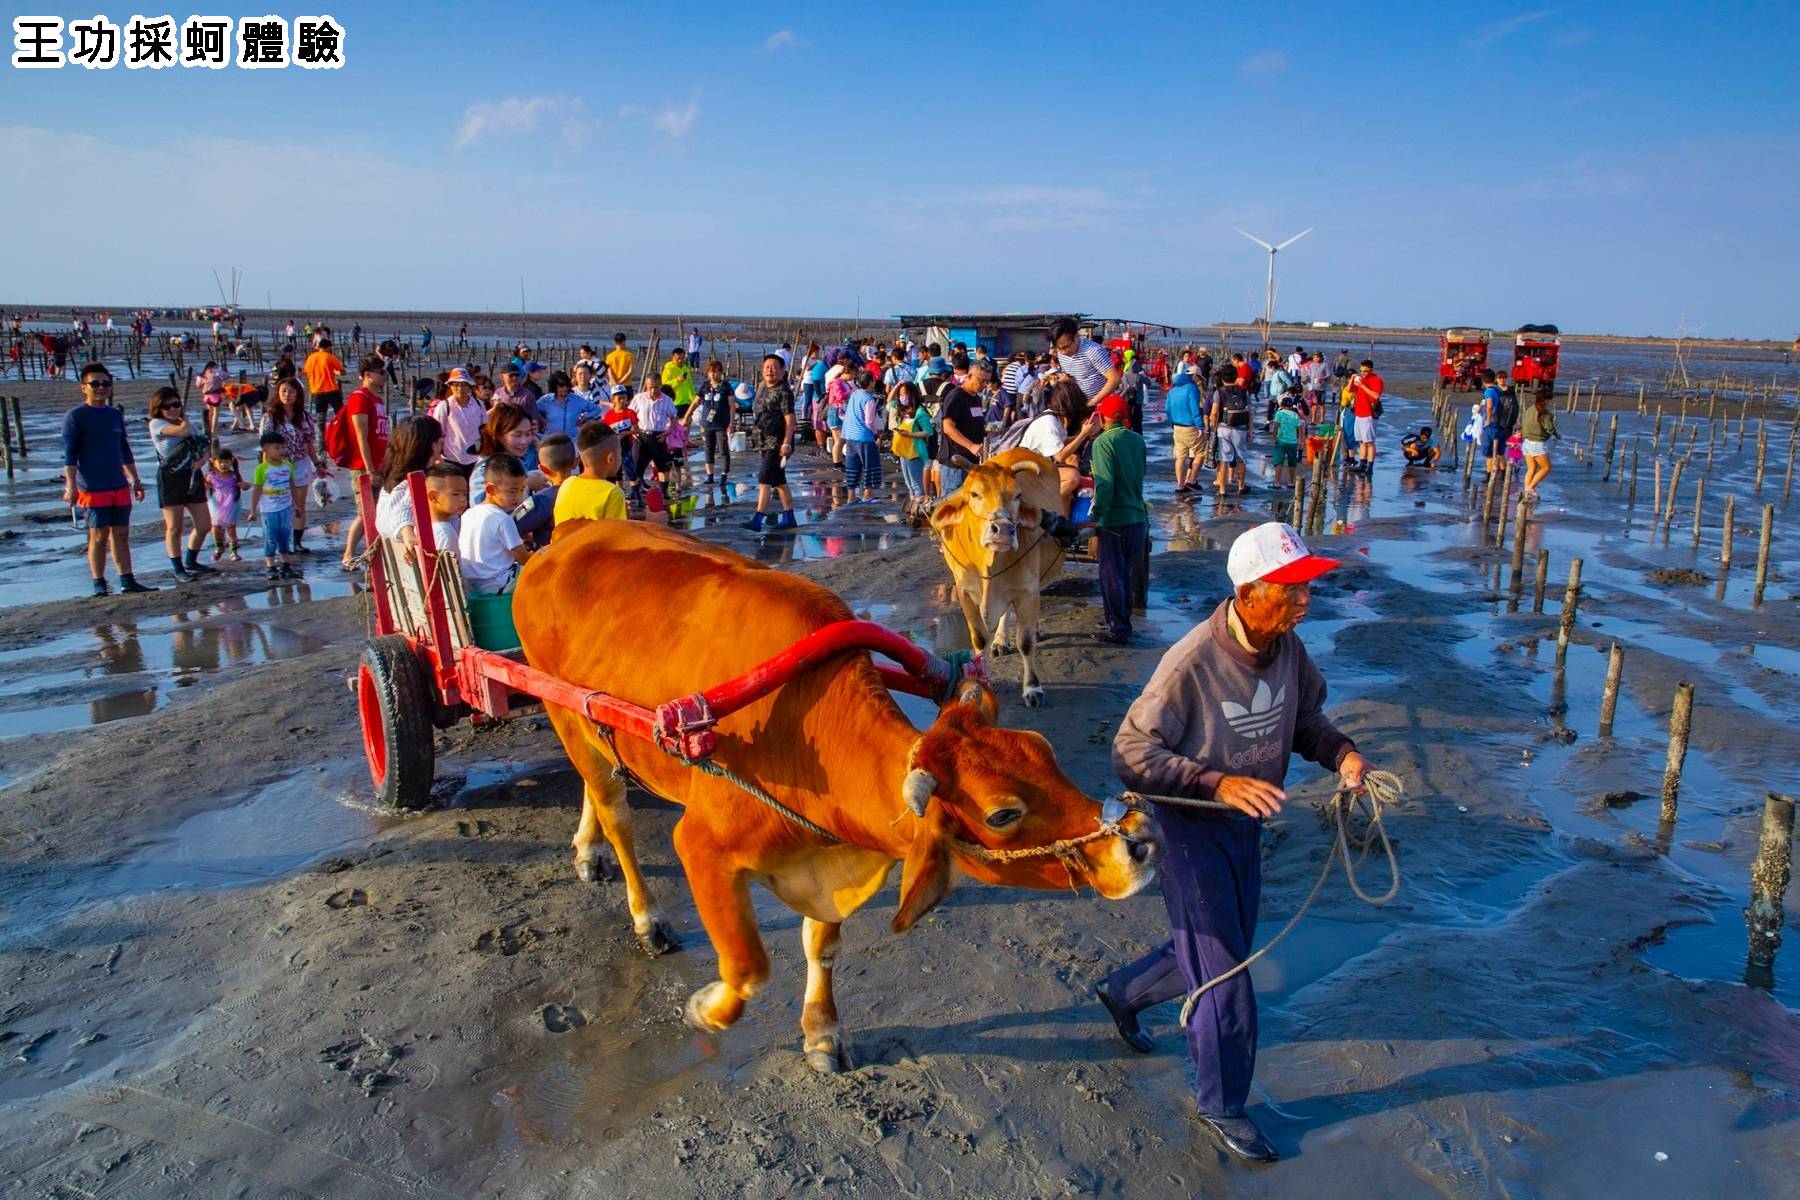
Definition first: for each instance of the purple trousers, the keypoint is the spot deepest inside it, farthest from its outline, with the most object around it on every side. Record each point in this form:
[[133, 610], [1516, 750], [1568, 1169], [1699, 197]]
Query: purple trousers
[[1212, 883]]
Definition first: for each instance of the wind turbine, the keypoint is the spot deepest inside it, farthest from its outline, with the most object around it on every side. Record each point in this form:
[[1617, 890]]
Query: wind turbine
[[1269, 292]]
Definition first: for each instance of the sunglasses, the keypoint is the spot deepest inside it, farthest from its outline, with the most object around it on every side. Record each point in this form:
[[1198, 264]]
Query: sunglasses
[[97, 383]]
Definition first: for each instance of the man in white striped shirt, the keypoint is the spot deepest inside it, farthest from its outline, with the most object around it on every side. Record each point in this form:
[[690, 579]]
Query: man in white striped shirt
[[1085, 360]]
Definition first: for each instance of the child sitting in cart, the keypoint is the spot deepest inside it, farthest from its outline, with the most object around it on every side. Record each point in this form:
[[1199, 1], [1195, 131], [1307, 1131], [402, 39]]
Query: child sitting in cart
[[447, 493], [592, 495], [490, 545]]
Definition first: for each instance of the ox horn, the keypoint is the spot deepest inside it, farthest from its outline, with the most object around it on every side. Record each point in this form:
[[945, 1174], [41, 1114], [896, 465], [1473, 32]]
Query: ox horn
[[1026, 464], [918, 786], [917, 789], [962, 463]]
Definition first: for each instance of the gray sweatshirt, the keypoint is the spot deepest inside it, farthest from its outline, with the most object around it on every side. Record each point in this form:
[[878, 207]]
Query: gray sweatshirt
[[1214, 709]]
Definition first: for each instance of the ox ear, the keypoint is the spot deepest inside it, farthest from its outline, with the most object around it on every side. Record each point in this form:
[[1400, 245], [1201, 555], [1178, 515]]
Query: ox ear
[[949, 512], [925, 879]]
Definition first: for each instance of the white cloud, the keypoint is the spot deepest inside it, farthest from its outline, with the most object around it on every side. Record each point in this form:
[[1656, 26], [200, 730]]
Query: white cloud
[[676, 121], [1488, 34], [519, 115], [1269, 62], [780, 38]]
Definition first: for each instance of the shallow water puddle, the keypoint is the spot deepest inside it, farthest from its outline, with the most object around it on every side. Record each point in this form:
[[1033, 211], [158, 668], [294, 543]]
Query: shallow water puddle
[[271, 832], [157, 657]]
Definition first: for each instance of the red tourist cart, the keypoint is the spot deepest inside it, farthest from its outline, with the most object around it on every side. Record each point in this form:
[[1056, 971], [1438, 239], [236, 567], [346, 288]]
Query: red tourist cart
[[1462, 357], [422, 669], [1534, 358]]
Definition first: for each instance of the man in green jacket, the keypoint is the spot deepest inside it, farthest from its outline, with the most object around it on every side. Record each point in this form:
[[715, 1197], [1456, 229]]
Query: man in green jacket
[[1122, 524]]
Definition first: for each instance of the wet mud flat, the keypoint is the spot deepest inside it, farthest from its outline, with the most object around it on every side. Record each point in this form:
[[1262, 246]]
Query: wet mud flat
[[225, 975]]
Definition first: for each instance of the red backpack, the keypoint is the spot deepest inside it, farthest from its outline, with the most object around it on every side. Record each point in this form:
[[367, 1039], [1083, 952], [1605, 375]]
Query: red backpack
[[340, 448]]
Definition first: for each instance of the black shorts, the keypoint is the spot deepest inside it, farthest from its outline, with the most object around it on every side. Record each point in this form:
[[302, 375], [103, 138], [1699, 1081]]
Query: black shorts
[[773, 473], [179, 488], [327, 402]]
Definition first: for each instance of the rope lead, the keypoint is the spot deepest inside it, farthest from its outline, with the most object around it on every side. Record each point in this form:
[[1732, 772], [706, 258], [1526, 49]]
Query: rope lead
[[1380, 789]]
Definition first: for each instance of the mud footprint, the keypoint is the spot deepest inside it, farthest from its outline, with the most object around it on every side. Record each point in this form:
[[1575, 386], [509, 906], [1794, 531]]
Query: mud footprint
[[474, 828], [561, 1018], [347, 898], [508, 939]]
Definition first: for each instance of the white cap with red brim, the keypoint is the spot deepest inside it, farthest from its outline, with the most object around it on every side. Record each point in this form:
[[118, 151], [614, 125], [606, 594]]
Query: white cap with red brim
[[1273, 551]]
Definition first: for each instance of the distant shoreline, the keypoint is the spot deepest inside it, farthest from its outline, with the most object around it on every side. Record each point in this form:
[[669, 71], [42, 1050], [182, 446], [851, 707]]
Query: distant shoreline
[[813, 325]]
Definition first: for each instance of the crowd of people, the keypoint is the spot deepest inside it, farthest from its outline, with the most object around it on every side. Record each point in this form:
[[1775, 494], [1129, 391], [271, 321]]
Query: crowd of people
[[924, 410]]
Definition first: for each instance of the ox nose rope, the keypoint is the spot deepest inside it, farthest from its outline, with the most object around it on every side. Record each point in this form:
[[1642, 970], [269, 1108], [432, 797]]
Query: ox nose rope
[[1380, 789], [1023, 554], [1067, 850]]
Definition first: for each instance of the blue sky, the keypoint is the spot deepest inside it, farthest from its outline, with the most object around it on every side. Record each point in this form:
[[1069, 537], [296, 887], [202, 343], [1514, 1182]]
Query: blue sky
[[1608, 168]]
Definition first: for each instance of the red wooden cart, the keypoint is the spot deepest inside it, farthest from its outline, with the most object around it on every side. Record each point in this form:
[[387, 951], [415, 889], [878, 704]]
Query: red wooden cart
[[421, 670]]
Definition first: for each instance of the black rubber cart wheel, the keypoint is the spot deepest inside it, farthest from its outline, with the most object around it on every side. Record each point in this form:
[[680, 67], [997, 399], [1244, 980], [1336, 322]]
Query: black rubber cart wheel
[[395, 704]]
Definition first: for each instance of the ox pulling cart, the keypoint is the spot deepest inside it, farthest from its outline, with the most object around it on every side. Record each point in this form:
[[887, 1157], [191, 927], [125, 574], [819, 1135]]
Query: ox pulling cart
[[422, 669]]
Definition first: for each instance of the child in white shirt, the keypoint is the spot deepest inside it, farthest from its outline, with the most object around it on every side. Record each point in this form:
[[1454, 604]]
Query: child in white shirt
[[490, 544]]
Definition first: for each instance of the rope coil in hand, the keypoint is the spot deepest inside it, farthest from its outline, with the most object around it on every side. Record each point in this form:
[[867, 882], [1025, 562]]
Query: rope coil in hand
[[1379, 789]]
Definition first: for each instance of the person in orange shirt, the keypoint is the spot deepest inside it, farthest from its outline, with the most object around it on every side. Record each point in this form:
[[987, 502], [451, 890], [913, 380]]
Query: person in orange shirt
[[322, 369]]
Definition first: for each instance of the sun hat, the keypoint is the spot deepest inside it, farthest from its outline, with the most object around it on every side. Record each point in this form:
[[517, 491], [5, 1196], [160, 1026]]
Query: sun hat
[[459, 375], [619, 389], [1274, 552]]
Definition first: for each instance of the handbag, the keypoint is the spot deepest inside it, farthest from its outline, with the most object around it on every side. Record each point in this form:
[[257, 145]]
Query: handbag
[[677, 436]]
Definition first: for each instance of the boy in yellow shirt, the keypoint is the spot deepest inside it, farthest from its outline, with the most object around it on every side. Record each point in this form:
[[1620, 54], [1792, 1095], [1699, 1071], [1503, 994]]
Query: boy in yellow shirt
[[592, 495]]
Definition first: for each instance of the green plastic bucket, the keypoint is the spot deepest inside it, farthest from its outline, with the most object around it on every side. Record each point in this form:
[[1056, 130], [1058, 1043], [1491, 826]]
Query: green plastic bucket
[[491, 622]]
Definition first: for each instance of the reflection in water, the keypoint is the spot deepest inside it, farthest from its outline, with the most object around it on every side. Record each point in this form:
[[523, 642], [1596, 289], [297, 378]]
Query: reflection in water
[[174, 657]]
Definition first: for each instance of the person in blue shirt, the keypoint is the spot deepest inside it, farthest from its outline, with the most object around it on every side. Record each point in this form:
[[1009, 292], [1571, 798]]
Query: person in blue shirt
[[100, 474], [1183, 407], [562, 409]]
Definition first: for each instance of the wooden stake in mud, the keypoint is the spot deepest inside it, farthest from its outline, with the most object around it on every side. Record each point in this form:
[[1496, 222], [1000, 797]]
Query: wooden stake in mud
[[1762, 552], [1468, 465], [1517, 584], [1543, 577], [1656, 489], [1699, 503], [1487, 503], [1612, 442], [1631, 496], [1640, 399], [1609, 697], [1669, 506], [19, 427], [1297, 514], [1743, 420], [1500, 517], [1680, 720], [1762, 453], [1769, 879], [1571, 599], [1725, 529], [1787, 485]]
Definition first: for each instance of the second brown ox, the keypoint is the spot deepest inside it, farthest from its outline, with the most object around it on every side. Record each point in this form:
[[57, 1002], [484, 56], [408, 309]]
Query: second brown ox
[[992, 534], [650, 615]]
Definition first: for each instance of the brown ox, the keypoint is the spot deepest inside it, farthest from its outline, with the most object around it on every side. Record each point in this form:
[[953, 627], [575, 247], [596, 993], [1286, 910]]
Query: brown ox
[[991, 533], [651, 615]]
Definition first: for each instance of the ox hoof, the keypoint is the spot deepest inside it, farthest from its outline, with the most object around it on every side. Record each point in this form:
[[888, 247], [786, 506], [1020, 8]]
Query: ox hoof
[[698, 1010], [998, 649], [590, 870], [1033, 696], [829, 1056], [658, 938]]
